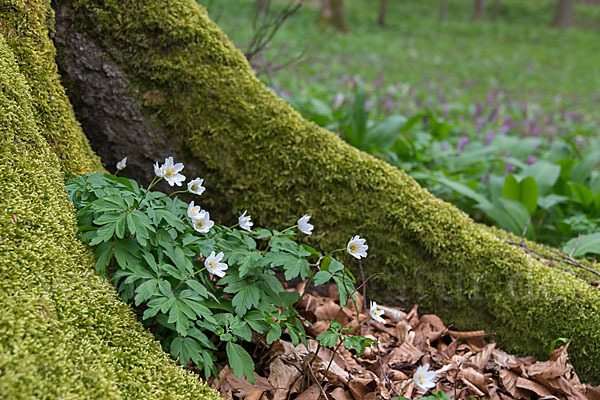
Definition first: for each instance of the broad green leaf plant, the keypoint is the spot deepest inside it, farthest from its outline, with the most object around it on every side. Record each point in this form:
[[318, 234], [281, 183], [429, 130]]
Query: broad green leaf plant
[[200, 286]]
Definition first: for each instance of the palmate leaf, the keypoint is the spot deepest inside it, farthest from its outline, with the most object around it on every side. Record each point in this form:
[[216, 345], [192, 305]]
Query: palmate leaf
[[240, 361], [245, 299]]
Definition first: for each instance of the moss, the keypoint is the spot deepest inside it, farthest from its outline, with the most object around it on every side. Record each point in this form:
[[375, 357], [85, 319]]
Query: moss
[[26, 26], [64, 333], [266, 158]]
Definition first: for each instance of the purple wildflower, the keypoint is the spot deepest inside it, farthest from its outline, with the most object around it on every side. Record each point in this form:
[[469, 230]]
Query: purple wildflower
[[461, 144], [489, 137], [530, 160]]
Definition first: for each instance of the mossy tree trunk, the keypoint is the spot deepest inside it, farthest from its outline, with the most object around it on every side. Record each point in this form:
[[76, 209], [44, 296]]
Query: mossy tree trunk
[[177, 81], [255, 152]]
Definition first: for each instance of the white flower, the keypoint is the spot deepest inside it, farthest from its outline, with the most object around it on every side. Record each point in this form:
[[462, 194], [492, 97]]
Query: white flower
[[170, 172], [193, 211], [159, 171], [196, 187], [203, 223], [244, 221], [122, 164], [304, 226], [424, 378], [357, 248], [214, 266], [377, 312]]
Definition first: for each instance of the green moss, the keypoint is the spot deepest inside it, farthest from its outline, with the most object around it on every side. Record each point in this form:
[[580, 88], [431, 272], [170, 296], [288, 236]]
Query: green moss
[[268, 159], [64, 333], [26, 26]]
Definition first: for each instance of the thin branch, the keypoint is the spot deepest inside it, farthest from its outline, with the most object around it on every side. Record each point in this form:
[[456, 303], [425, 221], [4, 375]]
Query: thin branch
[[558, 257], [574, 247]]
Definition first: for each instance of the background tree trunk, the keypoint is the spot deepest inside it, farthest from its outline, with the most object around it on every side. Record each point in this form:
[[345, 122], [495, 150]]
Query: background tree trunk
[[443, 10], [479, 10], [496, 12], [563, 14], [262, 5], [382, 12], [332, 13]]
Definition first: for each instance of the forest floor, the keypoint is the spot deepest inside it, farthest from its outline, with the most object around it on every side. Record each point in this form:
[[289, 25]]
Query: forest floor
[[466, 365], [514, 50]]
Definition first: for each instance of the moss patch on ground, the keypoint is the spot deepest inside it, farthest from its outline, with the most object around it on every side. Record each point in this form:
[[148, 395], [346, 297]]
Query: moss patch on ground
[[261, 155], [64, 333]]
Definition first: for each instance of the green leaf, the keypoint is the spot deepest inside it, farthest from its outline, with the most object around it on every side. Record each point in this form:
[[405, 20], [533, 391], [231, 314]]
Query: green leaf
[[322, 277], [127, 252], [581, 171], [103, 234], [545, 174], [240, 361], [525, 192], [245, 299], [103, 253], [274, 333], [145, 291], [328, 338], [186, 349], [588, 244], [249, 263], [582, 194]]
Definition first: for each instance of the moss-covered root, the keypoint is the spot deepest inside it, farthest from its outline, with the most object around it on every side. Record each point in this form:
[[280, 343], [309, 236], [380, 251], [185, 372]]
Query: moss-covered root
[[25, 26], [64, 333], [268, 159]]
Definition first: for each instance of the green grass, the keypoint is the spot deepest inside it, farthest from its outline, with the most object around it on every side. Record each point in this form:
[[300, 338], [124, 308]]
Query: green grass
[[518, 53]]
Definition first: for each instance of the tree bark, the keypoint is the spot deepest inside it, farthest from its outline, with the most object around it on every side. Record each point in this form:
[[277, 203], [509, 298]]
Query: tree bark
[[382, 12], [563, 14], [479, 10], [443, 10], [332, 14]]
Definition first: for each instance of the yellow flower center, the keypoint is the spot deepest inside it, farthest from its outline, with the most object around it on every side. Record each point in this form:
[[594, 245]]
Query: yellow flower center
[[420, 378], [353, 248], [212, 265], [194, 188], [170, 172]]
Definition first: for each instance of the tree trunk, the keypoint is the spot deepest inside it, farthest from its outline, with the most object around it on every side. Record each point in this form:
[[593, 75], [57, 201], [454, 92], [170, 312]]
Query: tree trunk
[[382, 12], [332, 13], [64, 331], [496, 9], [262, 6], [443, 10], [196, 92], [563, 14], [479, 10]]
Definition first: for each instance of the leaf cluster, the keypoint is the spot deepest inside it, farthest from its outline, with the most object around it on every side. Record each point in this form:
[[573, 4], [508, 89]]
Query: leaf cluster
[[147, 246]]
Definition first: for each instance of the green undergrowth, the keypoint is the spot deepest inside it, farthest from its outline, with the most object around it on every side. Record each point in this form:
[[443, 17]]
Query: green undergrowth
[[64, 333], [260, 154], [517, 53]]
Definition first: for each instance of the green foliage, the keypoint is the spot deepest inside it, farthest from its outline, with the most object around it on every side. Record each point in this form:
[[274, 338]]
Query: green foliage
[[553, 188], [158, 261]]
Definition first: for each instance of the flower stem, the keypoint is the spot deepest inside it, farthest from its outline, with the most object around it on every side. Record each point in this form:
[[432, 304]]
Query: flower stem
[[188, 277], [177, 192]]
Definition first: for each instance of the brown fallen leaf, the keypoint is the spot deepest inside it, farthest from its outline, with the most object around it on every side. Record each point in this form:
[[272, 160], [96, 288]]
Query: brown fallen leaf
[[406, 353], [282, 376], [481, 359], [532, 386], [312, 393], [340, 394]]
